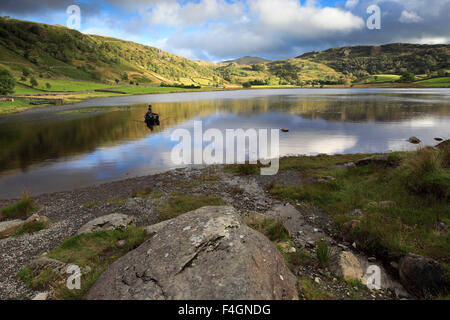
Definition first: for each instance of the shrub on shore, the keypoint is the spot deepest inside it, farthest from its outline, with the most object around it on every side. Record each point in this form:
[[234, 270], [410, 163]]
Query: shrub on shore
[[20, 209], [323, 253], [427, 173], [30, 227], [271, 228]]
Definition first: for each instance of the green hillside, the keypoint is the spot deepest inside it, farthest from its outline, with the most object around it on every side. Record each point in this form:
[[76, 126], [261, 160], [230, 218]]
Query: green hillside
[[397, 58], [59, 52], [52, 58], [297, 72]]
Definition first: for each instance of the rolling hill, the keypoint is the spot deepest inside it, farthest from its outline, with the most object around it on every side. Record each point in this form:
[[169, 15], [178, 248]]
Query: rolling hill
[[56, 51], [396, 58], [248, 60], [69, 60]]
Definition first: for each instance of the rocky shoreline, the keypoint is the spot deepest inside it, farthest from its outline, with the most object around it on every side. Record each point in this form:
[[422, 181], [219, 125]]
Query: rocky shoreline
[[69, 211]]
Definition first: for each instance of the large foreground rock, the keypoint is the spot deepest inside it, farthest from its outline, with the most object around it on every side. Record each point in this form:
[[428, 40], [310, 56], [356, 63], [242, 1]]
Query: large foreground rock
[[422, 276], [204, 254], [109, 222]]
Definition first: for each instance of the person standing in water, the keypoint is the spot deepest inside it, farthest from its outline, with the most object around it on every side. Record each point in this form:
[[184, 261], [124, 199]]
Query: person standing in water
[[149, 114], [151, 118]]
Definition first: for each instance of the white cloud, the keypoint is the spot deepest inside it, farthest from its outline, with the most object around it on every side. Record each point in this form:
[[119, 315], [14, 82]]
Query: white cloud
[[265, 26], [351, 4], [308, 21], [172, 13], [425, 7], [222, 29], [431, 40], [410, 17]]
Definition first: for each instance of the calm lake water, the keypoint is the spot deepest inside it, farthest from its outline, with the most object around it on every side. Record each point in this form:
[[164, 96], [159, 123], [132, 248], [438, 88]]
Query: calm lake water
[[62, 148]]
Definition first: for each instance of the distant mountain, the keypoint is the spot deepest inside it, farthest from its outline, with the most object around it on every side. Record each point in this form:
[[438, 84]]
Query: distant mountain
[[248, 60], [396, 58]]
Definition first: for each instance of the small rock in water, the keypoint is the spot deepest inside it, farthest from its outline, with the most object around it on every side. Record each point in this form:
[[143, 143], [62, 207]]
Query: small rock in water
[[414, 140], [438, 139], [285, 130]]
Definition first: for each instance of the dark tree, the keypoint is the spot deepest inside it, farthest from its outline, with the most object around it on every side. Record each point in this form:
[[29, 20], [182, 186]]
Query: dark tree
[[33, 82], [26, 72], [7, 82], [408, 77]]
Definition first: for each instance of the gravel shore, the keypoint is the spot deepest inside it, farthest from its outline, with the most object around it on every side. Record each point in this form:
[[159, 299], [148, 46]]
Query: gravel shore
[[69, 210]]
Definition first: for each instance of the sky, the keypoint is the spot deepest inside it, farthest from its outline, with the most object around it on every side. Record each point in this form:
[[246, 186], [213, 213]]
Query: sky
[[217, 30]]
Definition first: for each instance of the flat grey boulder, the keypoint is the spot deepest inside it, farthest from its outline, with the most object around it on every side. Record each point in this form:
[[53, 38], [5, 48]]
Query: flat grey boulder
[[154, 228], [207, 254], [109, 222]]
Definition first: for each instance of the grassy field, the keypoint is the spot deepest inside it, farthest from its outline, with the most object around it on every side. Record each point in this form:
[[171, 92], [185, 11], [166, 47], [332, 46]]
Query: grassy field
[[435, 83], [66, 86], [20, 89], [62, 85], [382, 78], [23, 103], [151, 90], [18, 105]]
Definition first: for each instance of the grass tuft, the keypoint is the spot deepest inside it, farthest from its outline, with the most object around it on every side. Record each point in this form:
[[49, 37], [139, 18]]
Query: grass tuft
[[272, 229], [142, 193], [20, 209], [424, 173], [179, 204], [323, 253], [311, 291], [94, 250], [30, 227], [41, 281], [243, 169]]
